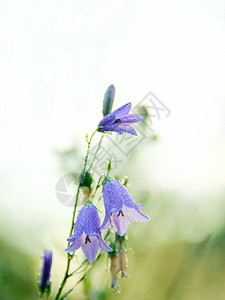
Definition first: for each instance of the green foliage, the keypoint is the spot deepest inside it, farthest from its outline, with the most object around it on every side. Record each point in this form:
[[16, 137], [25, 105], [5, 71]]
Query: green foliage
[[16, 274]]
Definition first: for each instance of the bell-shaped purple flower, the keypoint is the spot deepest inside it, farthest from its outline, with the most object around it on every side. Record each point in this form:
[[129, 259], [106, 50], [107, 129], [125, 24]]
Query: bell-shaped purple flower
[[45, 271], [87, 233], [120, 207], [120, 120]]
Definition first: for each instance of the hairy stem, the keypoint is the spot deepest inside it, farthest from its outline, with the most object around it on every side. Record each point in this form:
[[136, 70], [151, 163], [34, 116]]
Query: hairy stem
[[99, 145], [97, 186], [83, 277], [69, 256]]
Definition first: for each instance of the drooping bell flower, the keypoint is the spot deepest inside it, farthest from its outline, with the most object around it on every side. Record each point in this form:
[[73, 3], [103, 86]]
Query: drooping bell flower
[[120, 120], [45, 272], [87, 234], [120, 207]]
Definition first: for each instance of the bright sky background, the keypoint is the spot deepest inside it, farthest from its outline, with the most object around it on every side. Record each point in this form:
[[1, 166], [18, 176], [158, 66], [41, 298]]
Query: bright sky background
[[58, 57]]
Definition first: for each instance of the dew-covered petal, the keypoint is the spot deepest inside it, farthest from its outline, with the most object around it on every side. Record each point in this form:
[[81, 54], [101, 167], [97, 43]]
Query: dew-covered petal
[[131, 118], [135, 214], [75, 244], [71, 238], [90, 249], [126, 197], [103, 245], [127, 128], [106, 223], [111, 127], [112, 201], [79, 224], [92, 222], [120, 222], [123, 110], [108, 119]]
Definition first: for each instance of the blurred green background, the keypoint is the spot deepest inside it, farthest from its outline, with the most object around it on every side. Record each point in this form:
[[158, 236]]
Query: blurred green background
[[57, 59]]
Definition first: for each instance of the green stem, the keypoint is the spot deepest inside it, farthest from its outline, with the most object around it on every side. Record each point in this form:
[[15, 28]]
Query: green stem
[[80, 266], [88, 150], [69, 257], [97, 187], [82, 278], [65, 277], [99, 145]]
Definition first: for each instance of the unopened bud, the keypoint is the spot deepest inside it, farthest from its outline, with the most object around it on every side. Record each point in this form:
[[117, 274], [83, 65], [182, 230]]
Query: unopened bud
[[108, 100], [85, 179], [44, 284], [122, 258], [114, 270]]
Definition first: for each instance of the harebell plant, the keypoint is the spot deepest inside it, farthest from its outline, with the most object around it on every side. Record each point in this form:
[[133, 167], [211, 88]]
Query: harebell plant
[[87, 231]]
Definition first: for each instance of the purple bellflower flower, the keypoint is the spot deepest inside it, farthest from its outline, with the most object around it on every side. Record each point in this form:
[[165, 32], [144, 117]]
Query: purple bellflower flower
[[120, 207], [45, 271], [87, 233], [120, 120]]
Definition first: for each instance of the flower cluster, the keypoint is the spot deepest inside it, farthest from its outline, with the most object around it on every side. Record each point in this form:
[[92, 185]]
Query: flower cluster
[[120, 208]]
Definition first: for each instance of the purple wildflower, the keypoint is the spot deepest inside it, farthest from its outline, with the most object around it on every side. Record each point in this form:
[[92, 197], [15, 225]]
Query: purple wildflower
[[120, 207], [45, 271], [87, 233], [120, 120]]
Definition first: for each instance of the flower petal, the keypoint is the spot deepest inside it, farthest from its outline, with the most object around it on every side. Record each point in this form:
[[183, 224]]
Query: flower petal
[[131, 118], [75, 244], [125, 195], [108, 119], [112, 199], [107, 222], [120, 222], [79, 224], [135, 214], [90, 249], [127, 128], [123, 110], [92, 222], [103, 245], [111, 127]]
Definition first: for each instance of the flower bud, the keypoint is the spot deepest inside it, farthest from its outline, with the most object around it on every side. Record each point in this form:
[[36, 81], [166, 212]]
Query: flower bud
[[114, 270], [122, 256], [85, 180], [123, 260], [108, 100], [45, 272]]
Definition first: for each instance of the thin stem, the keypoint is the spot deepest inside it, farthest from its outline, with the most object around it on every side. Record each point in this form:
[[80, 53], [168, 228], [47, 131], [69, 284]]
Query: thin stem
[[97, 186], [88, 150], [99, 145], [83, 277], [65, 276], [69, 257], [77, 269]]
